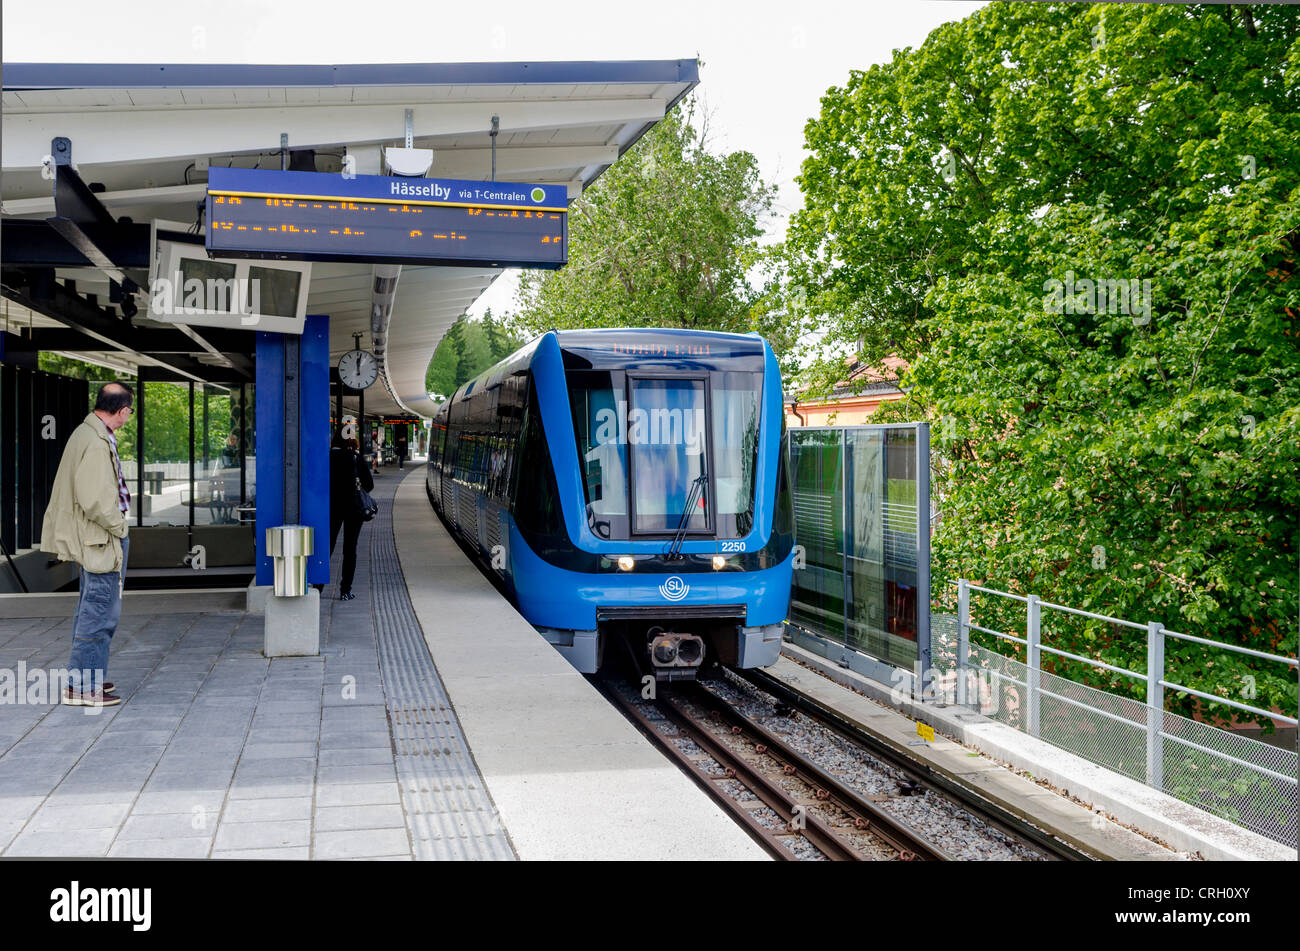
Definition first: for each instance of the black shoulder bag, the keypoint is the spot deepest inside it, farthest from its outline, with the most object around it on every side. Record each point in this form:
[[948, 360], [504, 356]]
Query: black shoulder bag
[[366, 506]]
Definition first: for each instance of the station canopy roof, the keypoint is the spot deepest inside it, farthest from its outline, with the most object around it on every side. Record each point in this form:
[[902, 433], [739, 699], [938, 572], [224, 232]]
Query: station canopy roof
[[143, 136]]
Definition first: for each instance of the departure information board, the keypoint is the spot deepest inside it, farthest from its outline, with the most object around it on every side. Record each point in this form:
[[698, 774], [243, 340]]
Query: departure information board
[[317, 216]]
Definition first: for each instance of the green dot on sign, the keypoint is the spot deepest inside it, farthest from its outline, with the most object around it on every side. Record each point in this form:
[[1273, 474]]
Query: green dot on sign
[[539, 194]]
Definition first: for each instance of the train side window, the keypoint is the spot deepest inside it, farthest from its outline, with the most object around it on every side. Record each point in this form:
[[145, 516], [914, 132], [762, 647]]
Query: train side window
[[537, 506]]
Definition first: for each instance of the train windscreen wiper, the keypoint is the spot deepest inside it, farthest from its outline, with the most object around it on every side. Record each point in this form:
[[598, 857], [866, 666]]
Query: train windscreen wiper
[[679, 536]]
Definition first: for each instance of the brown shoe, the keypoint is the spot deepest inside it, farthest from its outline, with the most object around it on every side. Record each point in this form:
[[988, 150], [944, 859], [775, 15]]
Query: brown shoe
[[90, 698]]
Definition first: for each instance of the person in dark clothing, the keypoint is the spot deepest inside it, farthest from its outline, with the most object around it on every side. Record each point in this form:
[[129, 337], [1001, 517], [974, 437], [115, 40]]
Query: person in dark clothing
[[345, 470], [401, 451]]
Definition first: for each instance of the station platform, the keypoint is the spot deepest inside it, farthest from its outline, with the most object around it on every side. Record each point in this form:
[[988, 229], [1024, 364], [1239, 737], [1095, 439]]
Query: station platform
[[435, 724]]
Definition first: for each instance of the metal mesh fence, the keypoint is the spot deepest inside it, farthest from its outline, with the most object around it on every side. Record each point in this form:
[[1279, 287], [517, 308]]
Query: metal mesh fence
[[1233, 776]]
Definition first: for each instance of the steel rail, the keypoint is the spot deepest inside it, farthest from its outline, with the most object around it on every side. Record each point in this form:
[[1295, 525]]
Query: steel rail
[[735, 768], [814, 829], [992, 813], [909, 843]]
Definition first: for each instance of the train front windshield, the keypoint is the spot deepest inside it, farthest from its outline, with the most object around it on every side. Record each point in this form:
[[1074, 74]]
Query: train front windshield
[[661, 452]]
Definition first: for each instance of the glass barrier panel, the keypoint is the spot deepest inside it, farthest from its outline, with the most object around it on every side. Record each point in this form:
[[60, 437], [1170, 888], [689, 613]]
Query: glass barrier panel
[[816, 466]]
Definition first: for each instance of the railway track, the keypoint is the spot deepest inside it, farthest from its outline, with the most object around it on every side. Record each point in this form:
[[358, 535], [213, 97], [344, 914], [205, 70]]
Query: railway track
[[719, 746], [1046, 845]]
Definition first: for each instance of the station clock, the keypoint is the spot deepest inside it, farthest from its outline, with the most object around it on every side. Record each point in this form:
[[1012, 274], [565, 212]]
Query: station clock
[[358, 369]]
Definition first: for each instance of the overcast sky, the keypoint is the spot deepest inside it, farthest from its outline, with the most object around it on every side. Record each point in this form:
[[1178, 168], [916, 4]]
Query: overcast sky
[[765, 64]]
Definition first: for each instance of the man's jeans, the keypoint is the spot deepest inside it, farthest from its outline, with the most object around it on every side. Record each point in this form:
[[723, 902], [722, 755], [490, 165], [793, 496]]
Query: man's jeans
[[93, 626]]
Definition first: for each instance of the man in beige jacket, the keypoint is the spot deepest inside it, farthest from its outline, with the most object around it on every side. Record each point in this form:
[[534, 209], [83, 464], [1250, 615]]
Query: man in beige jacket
[[86, 522]]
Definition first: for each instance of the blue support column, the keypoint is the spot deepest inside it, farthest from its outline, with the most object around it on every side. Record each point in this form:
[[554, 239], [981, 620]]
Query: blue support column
[[309, 376], [270, 446], [314, 442]]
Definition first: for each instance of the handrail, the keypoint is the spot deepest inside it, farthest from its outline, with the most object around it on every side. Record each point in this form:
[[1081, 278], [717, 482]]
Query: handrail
[[1154, 678]]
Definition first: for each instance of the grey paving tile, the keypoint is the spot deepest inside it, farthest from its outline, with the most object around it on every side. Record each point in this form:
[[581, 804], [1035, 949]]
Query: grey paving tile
[[196, 781], [339, 741], [256, 751], [217, 720], [9, 828], [175, 801], [357, 756], [228, 707], [134, 721], [271, 789], [278, 734], [372, 773], [96, 795], [378, 858], [139, 756], [103, 786], [188, 847], [352, 818], [63, 744], [52, 818], [153, 697], [45, 768], [255, 769], [292, 703], [133, 739], [340, 716], [169, 825], [370, 842], [235, 693], [77, 720], [365, 794], [264, 810], [299, 853], [198, 744], [275, 834], [361, 693], [82, 842], [289, 690], [19, 807], [196, 761], [276, 730]]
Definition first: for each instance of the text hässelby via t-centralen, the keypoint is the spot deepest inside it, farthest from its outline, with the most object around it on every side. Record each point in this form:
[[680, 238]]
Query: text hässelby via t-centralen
[[439, 192]]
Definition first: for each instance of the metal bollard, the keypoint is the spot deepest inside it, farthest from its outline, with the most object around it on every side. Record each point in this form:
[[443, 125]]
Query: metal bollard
[[289, 547]]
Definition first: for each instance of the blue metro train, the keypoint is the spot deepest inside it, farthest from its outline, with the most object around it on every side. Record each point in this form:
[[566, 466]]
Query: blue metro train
[[628, 484]]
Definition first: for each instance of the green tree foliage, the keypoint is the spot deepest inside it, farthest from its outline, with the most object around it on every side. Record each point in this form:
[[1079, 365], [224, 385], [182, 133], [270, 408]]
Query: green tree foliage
[[1131, 454], [167, 418], [97, 376], [667, 237], [467, 349]]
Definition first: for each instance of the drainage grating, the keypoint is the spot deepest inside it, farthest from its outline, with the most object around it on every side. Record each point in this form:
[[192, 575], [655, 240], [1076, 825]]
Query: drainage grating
[[448, 811]]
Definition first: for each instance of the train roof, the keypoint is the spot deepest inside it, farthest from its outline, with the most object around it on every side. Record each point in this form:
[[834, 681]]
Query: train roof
[[619, 347], [659, 349], [618, 337]]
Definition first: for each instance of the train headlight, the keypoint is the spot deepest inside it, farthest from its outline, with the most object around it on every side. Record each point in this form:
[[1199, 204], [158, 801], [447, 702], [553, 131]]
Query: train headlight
[[719, 562], [625, 563]]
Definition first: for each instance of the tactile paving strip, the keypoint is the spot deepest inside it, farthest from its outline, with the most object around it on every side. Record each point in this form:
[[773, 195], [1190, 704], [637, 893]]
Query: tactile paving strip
[[448, 810]]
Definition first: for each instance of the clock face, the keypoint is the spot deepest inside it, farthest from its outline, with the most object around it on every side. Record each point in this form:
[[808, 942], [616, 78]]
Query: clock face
[[358, 369]]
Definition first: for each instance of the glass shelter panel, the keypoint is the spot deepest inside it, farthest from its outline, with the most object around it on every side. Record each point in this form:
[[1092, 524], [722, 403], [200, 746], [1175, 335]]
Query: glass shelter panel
[[248, 444], [166, 454], [216, 489], [816, 457], [866, 575], [882, 574]]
